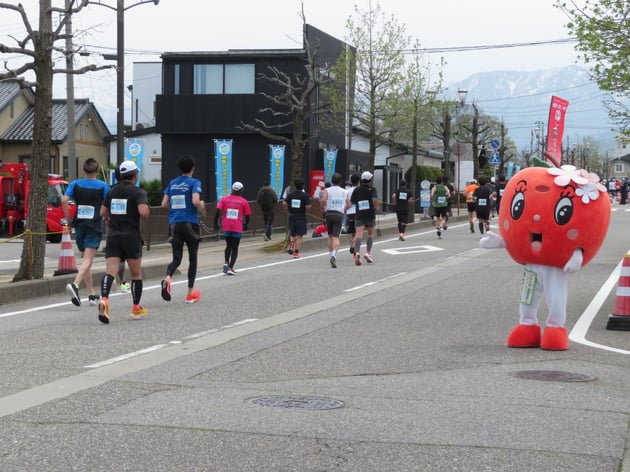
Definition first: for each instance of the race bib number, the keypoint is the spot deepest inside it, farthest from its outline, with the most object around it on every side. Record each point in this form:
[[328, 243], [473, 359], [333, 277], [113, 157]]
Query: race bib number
[[178, 202], [441, 199], [403, 195], [528, 287], [336, 202], [501, 192], [364, 204], [482, 202], [296, 203], [118, 206], [85, 212], [232, 214]]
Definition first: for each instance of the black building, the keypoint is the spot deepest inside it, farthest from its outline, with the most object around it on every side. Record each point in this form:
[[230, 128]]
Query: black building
[[208, 95]]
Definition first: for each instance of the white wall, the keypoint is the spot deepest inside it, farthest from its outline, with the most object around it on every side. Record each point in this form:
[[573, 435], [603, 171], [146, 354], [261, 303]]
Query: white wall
[[147, 83], [152, 160]]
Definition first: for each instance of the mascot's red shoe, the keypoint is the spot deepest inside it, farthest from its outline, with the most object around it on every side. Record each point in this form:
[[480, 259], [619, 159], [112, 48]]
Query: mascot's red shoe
[[524, 336], [555, 339]]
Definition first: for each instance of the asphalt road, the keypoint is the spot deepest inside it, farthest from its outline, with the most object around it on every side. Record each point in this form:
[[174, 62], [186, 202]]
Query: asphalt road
[[398, 365]]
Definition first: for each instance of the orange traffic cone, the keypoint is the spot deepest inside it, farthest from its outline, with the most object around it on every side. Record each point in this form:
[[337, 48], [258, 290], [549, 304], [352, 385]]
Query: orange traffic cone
[[67, 264], [620, 318]]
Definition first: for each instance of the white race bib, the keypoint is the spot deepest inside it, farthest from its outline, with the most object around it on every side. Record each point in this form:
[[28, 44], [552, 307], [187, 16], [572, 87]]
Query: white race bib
[[178, 202], [364, 204], [118, 206], [296, 203], [85, 212], [403, 195], [232, 214]]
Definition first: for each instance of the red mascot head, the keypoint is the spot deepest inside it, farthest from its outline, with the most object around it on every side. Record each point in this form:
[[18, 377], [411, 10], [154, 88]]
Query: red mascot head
[[548, 213]]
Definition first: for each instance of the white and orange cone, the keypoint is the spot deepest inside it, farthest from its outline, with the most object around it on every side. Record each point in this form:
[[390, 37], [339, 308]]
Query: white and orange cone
[[67, 263]]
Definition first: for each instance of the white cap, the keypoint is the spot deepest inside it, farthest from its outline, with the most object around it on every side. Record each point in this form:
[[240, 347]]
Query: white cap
[[237, 186], [367, 176], [127, 167]]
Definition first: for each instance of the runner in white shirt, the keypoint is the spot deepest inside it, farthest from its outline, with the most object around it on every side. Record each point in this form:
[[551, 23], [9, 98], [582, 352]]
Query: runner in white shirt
[[333, 200]]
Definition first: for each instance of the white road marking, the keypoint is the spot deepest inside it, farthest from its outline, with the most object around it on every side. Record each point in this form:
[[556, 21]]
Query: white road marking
[[140, 352], [411, 250], [583, 324]]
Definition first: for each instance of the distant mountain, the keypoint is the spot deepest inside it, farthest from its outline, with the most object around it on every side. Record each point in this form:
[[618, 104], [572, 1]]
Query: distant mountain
[[522, 98]]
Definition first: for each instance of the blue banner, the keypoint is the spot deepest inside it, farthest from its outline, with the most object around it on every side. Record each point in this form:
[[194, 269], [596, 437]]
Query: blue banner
[[330, 159], [510, 170], [276, 162], [223, 166], [134, 151]]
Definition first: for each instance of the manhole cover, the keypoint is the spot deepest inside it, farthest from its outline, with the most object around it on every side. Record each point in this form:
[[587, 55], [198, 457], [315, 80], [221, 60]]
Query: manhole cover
[[300, 402], [552, 376]]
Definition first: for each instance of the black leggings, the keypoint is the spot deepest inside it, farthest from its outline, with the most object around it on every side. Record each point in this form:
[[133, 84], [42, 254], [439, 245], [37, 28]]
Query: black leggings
[[184, 233], [231, 250]]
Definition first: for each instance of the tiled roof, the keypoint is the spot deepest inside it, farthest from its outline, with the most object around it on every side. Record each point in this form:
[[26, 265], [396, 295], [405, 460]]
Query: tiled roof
[[9, 89], [22, 129]]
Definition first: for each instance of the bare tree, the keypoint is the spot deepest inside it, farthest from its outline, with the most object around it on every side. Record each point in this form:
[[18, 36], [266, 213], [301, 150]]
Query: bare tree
[[38, 46], [293, 103]]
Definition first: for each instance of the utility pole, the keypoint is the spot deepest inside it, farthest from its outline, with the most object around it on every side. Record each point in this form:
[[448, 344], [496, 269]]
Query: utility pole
[[71, 138]]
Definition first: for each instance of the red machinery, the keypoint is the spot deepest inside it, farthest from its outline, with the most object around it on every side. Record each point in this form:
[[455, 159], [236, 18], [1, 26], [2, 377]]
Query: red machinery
[[14, 187]]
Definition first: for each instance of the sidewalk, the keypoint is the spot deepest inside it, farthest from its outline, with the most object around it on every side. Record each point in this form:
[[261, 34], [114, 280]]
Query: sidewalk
[[155, 260]]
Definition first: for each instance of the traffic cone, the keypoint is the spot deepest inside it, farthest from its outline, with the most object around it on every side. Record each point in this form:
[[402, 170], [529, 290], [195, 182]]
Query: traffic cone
[[67, 264], [619, 320]]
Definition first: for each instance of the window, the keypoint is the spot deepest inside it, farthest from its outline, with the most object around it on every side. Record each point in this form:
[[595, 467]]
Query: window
[[618, 168], [176, 80], [223, 79], [208, 79], [239, 78]]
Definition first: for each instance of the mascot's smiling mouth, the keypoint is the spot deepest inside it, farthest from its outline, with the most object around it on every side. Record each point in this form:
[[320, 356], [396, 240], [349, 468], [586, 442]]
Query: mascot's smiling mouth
[[536, 240]]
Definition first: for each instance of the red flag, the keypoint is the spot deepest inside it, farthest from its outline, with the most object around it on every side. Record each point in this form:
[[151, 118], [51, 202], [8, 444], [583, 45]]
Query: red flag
[[555, 127]]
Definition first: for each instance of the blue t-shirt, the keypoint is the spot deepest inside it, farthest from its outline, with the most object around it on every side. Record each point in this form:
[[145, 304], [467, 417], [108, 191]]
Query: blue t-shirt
[[180, 192]]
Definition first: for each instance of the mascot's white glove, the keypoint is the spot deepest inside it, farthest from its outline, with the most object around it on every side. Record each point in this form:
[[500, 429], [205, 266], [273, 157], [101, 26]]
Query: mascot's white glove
[[492, 241], [575, 263]]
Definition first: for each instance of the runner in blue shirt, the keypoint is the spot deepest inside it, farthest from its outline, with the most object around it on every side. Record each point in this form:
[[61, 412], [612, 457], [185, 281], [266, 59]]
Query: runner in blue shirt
[[182, 197]]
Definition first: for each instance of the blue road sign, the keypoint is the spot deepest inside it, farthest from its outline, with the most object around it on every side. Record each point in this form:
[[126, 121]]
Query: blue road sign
[[495, 143], [495, 159]]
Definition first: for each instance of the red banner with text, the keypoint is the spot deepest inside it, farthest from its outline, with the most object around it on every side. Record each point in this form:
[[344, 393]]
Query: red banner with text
[[555, 127]]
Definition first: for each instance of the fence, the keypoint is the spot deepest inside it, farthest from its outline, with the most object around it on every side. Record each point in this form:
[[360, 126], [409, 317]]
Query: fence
[[155, 229]]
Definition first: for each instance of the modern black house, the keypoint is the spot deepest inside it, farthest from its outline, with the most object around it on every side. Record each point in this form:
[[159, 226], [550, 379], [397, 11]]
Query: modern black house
[[206, 96]]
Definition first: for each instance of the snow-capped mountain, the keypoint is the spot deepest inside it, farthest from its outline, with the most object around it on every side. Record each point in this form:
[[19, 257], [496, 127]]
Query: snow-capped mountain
[[522, 99]]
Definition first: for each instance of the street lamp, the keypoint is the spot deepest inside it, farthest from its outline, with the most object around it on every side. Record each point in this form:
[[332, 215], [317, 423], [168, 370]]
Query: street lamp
[[461, 94], [120, 70], [430, 94]]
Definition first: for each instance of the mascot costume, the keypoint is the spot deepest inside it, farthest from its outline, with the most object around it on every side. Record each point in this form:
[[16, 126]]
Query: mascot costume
[[553, 220]]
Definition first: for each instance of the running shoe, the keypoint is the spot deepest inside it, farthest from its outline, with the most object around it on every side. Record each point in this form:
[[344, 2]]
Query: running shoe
[[291, 249], [166, 289], [368, 258], [225, 268], [138, 312], [357, 259], [352, 249], [231, 272], [73, 291], [93, 299], [439, 234], [124, 287], [296, 255], [333, 262], [401, 238], [194, 298], [103, 310]]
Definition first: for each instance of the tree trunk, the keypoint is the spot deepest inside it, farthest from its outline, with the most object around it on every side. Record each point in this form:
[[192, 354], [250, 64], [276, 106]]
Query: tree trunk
[[32, 263]]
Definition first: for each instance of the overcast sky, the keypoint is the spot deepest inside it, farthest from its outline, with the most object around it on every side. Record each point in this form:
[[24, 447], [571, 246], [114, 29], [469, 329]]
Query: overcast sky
[[209, 25]]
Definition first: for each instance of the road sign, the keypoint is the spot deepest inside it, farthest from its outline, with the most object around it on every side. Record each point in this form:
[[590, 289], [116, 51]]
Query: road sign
[[495, 143], [495, 159]]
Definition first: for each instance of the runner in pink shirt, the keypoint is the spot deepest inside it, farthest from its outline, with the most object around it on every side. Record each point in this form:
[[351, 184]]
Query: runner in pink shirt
[[234, 212]]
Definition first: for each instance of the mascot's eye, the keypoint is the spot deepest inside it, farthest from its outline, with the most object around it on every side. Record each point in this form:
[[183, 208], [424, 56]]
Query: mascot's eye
[[563, 211], [518, 205]]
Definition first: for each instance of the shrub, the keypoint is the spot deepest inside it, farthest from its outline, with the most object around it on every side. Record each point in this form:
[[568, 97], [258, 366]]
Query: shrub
[[154, 191]]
